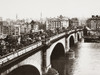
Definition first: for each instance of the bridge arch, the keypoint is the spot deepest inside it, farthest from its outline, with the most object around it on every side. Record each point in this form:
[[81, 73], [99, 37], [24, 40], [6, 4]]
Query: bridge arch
[[57, 52], [78, 37], [25, 70], [71, 41]]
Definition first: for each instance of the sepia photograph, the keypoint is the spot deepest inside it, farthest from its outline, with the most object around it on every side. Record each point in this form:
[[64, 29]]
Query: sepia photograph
[[49, 37]]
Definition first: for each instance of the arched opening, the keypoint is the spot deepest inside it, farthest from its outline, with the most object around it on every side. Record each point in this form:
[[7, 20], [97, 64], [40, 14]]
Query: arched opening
[[78, 37], [57, 58], [58, 52], [25, 70], [71, 42]]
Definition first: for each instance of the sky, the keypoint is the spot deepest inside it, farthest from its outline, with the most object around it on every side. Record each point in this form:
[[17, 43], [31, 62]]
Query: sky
[[35, 9]]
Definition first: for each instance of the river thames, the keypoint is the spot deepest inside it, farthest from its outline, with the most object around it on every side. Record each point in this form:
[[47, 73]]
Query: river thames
[[86, 61]]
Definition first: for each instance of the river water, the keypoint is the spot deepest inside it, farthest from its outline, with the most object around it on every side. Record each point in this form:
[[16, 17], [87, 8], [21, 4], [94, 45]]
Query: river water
[[86, 61]]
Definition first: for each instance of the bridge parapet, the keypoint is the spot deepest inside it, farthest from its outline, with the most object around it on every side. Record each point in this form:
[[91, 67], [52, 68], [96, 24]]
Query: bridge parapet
[[57, 36], [47, 42], [72, 31], [18, 53]]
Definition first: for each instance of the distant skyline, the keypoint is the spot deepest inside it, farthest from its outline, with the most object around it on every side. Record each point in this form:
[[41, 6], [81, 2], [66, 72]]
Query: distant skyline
[[35, 9]]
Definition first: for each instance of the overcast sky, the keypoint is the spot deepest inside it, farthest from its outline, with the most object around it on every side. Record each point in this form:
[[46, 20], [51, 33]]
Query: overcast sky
[[48, 8]]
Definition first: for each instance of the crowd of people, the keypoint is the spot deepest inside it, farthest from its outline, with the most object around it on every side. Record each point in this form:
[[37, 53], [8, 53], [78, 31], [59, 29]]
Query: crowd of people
[[13, 43]]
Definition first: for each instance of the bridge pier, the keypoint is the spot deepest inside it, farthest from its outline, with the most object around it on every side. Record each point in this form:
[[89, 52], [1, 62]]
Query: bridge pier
[[67, 45], [76, 38], [44, 59], [45, 67]]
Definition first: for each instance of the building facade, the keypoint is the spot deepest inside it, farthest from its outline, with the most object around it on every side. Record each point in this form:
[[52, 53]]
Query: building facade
[[34, 26], [74, 22], [11, 27], [59, 22], [94, 22]]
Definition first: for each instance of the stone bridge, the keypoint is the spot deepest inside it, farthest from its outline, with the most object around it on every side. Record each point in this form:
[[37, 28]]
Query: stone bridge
[[37, 58]]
